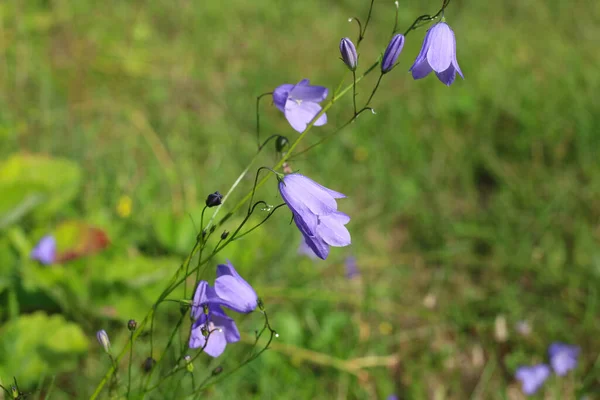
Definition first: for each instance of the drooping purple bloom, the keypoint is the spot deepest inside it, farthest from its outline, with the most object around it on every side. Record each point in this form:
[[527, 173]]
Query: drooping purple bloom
[[305, 250], [233, 291], [438, 54], [392, 52], [392, 397], [45, 250], [351, 268], [563, 357], [219, 329], [532, 378], [348, 52], [315, 213], [300, 103]]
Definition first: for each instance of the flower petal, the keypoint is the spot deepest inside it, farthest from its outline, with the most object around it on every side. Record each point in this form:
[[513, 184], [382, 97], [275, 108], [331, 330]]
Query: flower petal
[[422, 57], [420, 70], [300, 113], [281, 94], [332, 230], [234, 291], [318, 246], [442, 47], [448, 76], [309, 93], [318, 199], [204, 294]]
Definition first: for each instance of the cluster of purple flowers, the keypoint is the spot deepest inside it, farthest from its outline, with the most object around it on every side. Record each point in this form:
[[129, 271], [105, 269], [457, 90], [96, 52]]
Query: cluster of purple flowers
[[563, 358], [300, 102], [212, 328]]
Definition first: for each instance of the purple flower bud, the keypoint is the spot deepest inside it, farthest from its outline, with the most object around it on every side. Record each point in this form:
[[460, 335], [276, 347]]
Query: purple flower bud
[[131, 325], [563, 357], [348, 51], [315, 213], [532, 378], [300, 103], [214, 199], [45, 250], [102, 337], [392, 52], [438, 54], [351, 268], [233, 291]]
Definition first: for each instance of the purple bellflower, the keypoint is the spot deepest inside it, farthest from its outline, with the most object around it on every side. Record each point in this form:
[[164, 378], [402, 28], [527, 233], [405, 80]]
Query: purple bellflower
[[233, 291], [438, 54], [300, 103], [532, 378], [315, 213], [348, 52], [392, 52], [45, 250], [351, 268], [392, 397], [305, 250], [218, 328], [563, 357]]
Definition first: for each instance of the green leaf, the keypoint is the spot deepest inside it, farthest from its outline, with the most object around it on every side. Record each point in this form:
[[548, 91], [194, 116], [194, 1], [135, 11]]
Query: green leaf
[[38, 344], [36, 182]]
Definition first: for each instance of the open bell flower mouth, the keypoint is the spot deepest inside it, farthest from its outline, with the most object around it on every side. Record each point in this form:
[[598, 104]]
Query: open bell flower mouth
[[438, 54], [563, 357], [233, 291], [300, 103], [532, 378], [314, 208], [219, 329]]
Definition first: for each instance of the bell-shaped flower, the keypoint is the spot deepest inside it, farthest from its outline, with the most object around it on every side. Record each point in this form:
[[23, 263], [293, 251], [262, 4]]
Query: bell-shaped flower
[[213, 331], [203, 296], [300, 103], [233, 291], [532, 378], [315, 213], [438, 54], [45, 250], [563, 357], [348, 53], [392, 52], [351, 268]]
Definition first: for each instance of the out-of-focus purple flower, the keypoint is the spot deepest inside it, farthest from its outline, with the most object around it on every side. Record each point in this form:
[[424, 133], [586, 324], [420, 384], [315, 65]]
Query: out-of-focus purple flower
[[218, 328], [300, 103], [563, 357], [102, 337], [351, 268], [315, 213], [348, 52], [438, 54], [45, 250], [532, 378], [233, 291], [392, 397], [392, 52], [305, 250], [523, 328]]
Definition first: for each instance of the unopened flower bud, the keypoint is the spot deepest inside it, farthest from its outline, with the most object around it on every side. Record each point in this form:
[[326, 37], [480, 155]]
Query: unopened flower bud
[[280, 143], [217, 370], [102, 337], [348, 52], [131, 325], [188, 364], [214, 199], [392, 52], [224, 235], [204, 331], [148, 364]]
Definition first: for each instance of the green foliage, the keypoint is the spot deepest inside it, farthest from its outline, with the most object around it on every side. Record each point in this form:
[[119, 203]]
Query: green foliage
[[38, 344]]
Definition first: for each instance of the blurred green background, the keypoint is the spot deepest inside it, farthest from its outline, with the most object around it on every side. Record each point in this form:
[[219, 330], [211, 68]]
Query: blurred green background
[[474, 207]]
